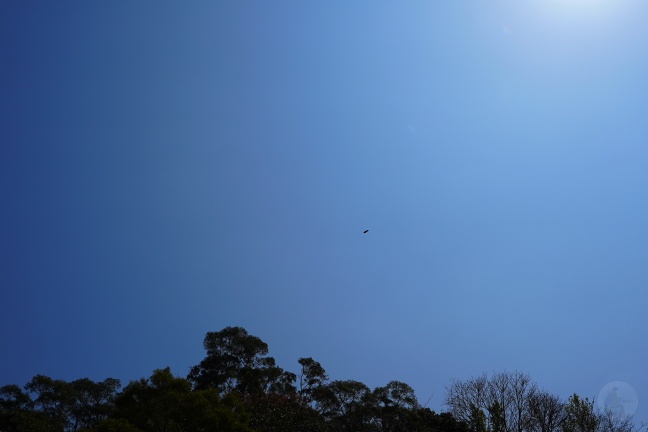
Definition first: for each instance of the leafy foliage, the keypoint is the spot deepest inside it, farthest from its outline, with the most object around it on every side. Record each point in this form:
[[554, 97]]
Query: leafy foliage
[[311, 379], [279, 413], [57, 405], [580, 415], [236, 362], [164, 403]]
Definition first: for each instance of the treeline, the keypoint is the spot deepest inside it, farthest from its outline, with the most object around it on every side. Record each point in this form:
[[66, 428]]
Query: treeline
[[237, 387], [511, 402]]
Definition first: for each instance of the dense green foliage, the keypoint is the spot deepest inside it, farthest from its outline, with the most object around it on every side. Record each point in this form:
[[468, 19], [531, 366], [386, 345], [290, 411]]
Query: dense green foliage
[[237, 387]]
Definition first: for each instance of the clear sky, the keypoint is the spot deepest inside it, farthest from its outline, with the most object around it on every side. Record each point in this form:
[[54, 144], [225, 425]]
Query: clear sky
[[172, 168]]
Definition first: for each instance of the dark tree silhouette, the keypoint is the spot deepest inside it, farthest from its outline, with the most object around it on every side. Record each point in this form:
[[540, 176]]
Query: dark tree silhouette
[[167, 403], [236, 361]]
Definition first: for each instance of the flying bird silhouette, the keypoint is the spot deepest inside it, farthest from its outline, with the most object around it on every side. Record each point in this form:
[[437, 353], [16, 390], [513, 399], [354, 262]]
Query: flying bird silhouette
[[365, 231]]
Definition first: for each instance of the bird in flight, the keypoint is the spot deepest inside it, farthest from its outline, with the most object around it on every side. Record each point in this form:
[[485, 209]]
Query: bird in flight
[[365, 231]]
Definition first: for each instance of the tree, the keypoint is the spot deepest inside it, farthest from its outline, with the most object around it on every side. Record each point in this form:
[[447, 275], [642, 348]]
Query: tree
[[91, 401], [345, 404], [52, 398], [236, 361], [547, 412], [463, 396], [497, 417], [164, 403], [395, 407], [12, 399], [280, 413], [506, 396], [519, 391], [73, 405], [396, 394], [113, 425], [426, 420], [311, 377], [17, 413], [611, 421], [477, 419], [580, 415], [445, 422]]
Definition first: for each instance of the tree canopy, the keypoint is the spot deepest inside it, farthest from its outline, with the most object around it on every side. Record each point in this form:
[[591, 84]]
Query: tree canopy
[[238, 387]]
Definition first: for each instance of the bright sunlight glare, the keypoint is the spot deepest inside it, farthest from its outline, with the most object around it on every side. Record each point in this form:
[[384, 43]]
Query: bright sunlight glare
[[587, 17]]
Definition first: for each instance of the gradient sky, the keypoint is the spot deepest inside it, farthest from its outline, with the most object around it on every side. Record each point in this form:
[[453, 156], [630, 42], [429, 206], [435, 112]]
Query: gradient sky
[[168, 169]]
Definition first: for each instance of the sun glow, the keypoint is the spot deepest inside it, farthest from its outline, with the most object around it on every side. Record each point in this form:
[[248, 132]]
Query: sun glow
[[581, 7], [583, 15]]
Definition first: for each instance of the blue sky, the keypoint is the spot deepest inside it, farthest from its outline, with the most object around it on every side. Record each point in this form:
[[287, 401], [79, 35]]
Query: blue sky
[[168, 170]]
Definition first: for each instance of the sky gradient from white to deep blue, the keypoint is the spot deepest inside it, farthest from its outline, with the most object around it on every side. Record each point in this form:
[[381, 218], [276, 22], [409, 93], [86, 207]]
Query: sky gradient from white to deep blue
[[168, 170]]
